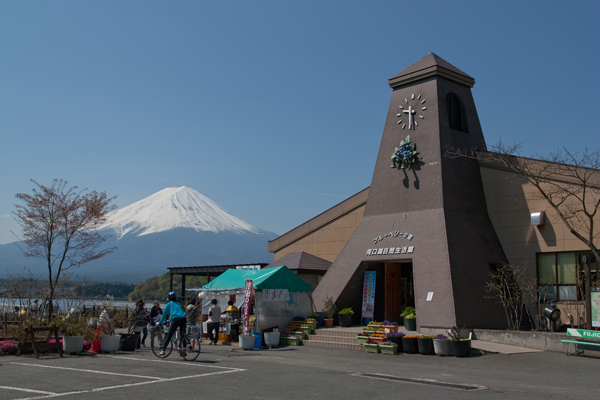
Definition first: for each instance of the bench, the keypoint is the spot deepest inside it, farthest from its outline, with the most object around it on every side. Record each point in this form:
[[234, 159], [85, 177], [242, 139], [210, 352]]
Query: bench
[[583, 340], [29, 339]]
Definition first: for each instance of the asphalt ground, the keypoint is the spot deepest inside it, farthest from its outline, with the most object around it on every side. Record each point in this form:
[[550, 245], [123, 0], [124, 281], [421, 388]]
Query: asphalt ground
[[298, 372]]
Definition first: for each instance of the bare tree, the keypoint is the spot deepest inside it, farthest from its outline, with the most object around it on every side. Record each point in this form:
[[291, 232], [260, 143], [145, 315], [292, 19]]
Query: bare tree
[[569, 182], [59, 226]]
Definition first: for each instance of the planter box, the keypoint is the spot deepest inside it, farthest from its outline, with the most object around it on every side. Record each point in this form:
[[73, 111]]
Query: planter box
[[442, 347], [372, 348], [72, 344], [294, 341], [397, 340], [461, 348], [377, 339], [376, 326], [128, 342], [110, 343], [426, 346], [388, 349], [390, 328], [247, 342], [410, 324], [345, 320], [272, 339], [410, 345], [362, 339]]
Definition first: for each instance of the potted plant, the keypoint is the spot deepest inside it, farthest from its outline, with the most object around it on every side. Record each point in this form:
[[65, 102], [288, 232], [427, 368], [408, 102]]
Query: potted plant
[[388, 347], [442, 345], [372, 347], [390, 326], [73, 329], [318, 318], [345, 316], [410, 318], [362, 338], [461, 347], [410, 344], [329, 308], [425, 344], [374, 324], [395, 337]]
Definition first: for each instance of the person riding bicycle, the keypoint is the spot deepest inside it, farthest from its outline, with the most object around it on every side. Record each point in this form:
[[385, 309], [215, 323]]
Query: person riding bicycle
[[177, 319]]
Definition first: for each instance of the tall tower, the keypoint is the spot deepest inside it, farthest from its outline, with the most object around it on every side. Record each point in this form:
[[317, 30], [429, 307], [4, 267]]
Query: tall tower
[[426, 230]]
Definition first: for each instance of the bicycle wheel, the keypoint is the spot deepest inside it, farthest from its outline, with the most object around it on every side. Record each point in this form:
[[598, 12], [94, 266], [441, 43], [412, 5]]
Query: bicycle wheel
[[156, 343], [191, 350]]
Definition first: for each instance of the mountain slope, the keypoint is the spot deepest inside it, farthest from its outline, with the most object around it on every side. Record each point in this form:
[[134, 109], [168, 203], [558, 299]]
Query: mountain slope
[[176, 227], [172, 208]]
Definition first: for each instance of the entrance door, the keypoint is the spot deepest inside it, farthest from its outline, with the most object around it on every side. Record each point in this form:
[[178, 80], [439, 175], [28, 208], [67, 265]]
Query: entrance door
[[393, 291]]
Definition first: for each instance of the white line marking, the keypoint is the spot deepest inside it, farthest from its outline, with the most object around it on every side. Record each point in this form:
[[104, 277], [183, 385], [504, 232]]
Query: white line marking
[[128, 385], [87, 370], [25, 390]]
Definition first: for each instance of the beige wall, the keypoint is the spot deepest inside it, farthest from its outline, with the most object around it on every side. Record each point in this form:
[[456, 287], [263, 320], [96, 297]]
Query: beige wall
[[327, 241]]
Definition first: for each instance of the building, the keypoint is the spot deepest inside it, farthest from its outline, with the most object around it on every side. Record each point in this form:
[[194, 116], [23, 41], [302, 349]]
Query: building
[[433, 227]]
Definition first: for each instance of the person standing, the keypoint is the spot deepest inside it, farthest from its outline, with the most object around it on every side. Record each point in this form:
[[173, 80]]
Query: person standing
[[214, 318], [141, 318], [34, 307]]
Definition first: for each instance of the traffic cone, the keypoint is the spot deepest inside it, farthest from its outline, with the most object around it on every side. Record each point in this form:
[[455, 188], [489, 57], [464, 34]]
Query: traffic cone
[[96, 343]]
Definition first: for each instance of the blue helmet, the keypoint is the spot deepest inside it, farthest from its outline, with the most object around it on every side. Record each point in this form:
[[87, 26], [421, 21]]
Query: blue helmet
[[172, 296]]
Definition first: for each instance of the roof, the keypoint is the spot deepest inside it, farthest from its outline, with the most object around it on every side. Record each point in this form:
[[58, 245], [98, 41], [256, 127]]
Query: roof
[[208, 269], [272, 278], [431, 64], [300, 260]]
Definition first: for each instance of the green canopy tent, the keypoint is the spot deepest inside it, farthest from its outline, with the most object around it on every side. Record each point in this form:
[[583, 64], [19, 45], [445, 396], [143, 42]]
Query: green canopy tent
[[279, 294]]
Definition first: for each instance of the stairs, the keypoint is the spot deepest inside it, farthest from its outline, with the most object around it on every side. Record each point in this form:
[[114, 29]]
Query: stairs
[[334, 338]]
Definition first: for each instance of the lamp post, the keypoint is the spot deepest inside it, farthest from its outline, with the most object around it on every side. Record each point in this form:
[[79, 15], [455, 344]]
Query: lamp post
[[588, 292]]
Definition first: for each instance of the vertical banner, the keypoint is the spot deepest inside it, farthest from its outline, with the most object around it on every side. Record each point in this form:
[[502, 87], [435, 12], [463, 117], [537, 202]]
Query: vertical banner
[[368, 303], [247, 306], [595, 300]]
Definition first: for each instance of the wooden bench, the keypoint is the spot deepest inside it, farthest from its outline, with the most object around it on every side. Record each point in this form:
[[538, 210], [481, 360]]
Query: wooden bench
[[42, 344], [583, 340]]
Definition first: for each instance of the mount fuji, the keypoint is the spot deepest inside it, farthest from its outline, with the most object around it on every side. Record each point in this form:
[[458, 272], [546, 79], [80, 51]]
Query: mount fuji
[[175, 227]]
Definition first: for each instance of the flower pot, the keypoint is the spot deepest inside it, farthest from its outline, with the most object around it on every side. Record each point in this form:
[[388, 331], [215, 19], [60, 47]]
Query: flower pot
[[442, 347], [372, 348], [461, 348], [294, 341], [376, 326], [110, 343], [328, 322], [425, 346], [345, 319], [129, 341], [397, 340], [388, 349], [72, 344], [377, 339], [410, 324], [272, 339], [390, 328], [247, 342], [410, 345], [362, 339]]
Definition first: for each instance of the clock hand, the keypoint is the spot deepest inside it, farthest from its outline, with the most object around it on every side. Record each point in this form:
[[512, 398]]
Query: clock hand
[[410, 113]]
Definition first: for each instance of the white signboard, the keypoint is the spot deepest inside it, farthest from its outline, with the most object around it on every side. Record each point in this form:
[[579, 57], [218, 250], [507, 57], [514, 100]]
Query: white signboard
[[276, 295]]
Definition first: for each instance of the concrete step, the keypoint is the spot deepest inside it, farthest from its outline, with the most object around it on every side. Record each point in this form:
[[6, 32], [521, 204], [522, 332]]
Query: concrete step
[[341, 339]]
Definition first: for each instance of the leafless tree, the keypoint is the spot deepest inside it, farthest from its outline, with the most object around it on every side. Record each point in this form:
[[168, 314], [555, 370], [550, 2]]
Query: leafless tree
[[569, 182], [59, 226]]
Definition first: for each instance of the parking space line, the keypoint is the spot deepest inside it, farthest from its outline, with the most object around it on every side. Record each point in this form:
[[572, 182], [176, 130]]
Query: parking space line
[[86, 370], [25, 390], [148, 379]]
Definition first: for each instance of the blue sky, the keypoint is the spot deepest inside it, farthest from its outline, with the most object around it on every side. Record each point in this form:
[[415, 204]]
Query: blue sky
[[273, 109]]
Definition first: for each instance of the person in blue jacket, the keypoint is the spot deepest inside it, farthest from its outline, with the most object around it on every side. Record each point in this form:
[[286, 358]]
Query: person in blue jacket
[[177, 319]]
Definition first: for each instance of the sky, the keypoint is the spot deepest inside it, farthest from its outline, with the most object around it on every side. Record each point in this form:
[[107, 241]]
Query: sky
[[273, 109]]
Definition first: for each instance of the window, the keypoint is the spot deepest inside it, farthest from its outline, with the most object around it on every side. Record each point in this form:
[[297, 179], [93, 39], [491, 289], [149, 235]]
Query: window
[[456, 113], [560, 275]]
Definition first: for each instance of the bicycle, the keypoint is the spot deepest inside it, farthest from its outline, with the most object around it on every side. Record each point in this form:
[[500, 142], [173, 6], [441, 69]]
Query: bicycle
[[188, 346]]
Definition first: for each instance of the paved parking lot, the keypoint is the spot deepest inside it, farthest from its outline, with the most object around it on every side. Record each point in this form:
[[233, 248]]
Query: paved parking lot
[[223, 372]]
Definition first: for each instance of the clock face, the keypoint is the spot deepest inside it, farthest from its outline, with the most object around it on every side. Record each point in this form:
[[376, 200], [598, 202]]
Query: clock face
[[411, 112]]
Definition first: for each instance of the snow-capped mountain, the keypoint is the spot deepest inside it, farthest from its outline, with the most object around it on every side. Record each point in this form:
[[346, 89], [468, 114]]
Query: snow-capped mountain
[[176, 227], [172, 208]]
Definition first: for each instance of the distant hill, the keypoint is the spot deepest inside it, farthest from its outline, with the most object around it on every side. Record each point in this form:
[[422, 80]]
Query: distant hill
[[176, 227]]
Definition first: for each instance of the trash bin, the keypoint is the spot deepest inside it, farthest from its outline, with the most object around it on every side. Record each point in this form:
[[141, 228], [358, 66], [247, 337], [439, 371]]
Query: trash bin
[[257, 340]]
